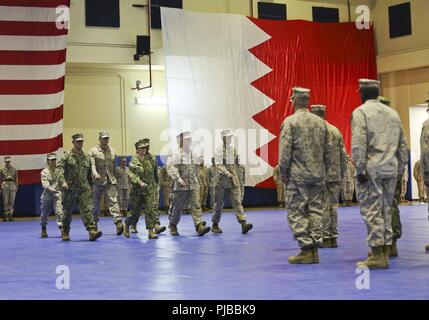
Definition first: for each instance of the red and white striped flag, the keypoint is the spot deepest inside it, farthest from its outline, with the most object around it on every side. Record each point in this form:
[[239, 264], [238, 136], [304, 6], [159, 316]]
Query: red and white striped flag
[[33, 42]]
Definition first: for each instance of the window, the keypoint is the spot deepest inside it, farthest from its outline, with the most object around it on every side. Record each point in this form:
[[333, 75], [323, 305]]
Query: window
[[321, 14], [102, 13], [273, 11], [400, 20]]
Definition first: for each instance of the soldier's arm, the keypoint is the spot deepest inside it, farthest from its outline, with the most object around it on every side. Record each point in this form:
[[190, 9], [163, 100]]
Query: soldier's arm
[[220, 167], [343, 157], [424, 153], [156, 171], [244, 175], [133, 173], [61, 166], [327, 150], [172, 171], [359, 142], [44, 181], [16, 178], [285, 151], [402, 152], [91, 155]]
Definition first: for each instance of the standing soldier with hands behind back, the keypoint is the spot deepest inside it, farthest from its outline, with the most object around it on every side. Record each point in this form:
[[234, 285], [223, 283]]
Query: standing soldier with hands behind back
[[380, 154], [9, 188], [424, 156], [75, 171], [335, 174], [304, 160]]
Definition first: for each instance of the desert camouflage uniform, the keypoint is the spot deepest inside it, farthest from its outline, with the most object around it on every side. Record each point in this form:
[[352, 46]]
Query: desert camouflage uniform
[[241, 172], [202, 173], [418, 175], [51, 197], [9, 187], [123, 187]]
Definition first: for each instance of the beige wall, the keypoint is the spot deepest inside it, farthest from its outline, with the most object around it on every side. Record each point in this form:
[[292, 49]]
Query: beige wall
[[406, 89], [98, 98], [101, 70]]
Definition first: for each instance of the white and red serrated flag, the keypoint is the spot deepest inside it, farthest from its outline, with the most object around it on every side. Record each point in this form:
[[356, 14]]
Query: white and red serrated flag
[[33, 41]]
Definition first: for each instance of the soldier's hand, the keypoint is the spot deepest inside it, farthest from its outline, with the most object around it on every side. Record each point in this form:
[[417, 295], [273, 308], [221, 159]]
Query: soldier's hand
[[362, 178], [65, 186], [181, 183], [97, 176], [143, 185]]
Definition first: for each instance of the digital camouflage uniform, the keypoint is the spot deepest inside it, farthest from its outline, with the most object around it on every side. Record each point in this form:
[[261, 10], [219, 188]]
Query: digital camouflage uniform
[[165, 182], [9, 187], [225, 186], [182, 165], [336, 172], [418, 175], [379, 151], [202, 173], [303, 160], [143, 171], [123, 187], [241, 172], [348, 183], [280, 187], [103, 164], [75, 169], [424, 157], [51, 197], [212, 177]]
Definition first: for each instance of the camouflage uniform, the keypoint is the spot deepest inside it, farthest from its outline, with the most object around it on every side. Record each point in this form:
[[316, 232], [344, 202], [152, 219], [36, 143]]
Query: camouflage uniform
[[75, 170], [424, 155], [280, 187], [202, 173], [396, 218], [9, 187], [165, 182], [404, 187], [212, 177], [303, 160], [418, 175], [51, 197], [380, 153], [335, 174], [103, 164], [123, 187], [348, 183], [183, 165], [225, 164], [241, 172], [143, 171]]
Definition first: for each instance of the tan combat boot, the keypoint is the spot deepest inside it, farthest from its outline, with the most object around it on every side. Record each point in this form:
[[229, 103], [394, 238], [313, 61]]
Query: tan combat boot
[[44, 234], [126, 230], [215, 228], [246, 227], [305, 256], [173, 230], [326, 243], [152, 234], [202, 230], [393, 250], [65, 234], [119, 228], [159, 229], [133, 228], [377, 259], [94, 234]]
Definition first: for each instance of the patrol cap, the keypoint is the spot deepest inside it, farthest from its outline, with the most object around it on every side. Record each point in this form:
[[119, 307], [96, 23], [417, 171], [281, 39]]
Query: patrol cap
[[104, 134], [300, 92], [367, 83], [52, 156], [146, 142], [226, 133], [77, 137], [139, 144], [384, 100], [185, 135], [318, 108], [7, 159]]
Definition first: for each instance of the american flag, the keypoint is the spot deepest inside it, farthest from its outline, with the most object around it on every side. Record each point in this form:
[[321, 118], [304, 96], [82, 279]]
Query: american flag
[[32, 70]]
